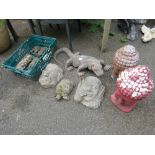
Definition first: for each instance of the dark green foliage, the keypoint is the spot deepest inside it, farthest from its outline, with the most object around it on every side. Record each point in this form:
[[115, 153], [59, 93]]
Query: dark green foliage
[[94, 24], [123, 39], [93, 28], [1, 22], [111, 34]]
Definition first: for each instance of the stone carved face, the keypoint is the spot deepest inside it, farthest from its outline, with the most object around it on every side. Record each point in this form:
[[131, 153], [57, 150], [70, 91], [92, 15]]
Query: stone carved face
[[51, 76], [89, 88], [90, 92]]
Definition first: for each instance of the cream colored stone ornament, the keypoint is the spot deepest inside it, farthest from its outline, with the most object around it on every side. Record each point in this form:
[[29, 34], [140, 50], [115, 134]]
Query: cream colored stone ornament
[[149, 33]]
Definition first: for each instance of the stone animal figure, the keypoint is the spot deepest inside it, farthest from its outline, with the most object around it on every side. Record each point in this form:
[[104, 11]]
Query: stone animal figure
[[83, 62], [51, 75], [90, 92], [63, 89], [149, 34]]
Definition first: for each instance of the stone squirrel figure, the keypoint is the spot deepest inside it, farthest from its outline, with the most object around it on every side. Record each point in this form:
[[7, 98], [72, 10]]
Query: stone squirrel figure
[[63, 89], [83, 62], [149, 33]]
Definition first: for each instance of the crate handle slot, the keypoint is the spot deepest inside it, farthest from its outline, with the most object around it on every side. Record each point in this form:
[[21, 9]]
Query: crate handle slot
[[45, 58]]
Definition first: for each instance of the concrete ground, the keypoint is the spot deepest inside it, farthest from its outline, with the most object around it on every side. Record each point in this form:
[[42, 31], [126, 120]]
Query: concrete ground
[[27, 108]]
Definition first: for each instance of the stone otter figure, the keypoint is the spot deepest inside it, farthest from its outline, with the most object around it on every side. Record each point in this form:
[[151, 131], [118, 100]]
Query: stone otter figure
[[63, 89], [83, 62]]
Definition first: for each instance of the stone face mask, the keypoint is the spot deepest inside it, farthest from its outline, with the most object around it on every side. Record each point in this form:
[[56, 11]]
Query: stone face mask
[[51, 76], [90, 92]]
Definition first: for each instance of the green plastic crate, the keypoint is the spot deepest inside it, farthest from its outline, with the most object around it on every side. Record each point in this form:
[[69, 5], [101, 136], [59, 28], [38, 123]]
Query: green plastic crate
[[25, 48]]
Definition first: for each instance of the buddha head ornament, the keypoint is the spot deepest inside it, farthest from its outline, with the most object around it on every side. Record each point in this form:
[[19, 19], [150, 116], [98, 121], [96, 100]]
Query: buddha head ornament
[[125, 57]]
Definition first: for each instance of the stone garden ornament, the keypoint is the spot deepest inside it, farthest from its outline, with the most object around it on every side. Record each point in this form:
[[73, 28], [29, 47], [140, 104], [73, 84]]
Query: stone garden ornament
[[90, 92], [132, 85], [125, 57], [51, 76], [83, 62], [149, 33], [63, 89]]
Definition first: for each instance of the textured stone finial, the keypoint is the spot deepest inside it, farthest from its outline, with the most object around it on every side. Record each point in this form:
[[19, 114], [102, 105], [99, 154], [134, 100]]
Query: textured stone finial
[[125, 57]]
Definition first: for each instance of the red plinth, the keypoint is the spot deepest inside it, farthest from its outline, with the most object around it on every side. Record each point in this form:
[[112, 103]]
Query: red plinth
[[122, 103]]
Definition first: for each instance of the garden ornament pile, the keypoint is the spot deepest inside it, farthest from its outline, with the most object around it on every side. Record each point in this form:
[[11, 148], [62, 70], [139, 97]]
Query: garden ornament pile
[[83, 62], [63, 89], [125, 57], [51, 76], [149, 33], [90, 92], [133, 85]]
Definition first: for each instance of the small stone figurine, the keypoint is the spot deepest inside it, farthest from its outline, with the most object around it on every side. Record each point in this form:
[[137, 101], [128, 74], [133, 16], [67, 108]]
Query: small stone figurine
[[133, 85], [63, 89], [125, 57], [149, 33]]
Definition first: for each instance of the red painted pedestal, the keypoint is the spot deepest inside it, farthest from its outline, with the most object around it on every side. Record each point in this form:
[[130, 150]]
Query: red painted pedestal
[[121, 102]]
